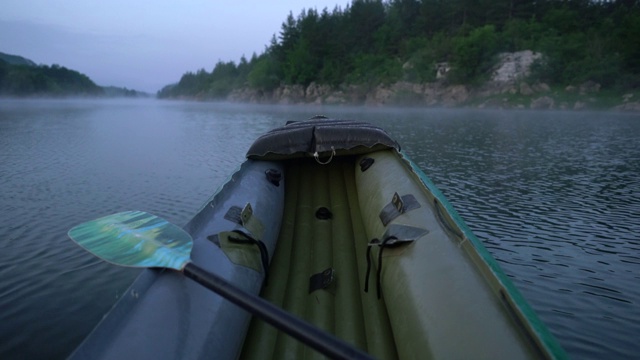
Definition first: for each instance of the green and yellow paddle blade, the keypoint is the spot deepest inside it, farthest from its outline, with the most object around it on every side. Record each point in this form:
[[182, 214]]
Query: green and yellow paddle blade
[[135, 238]]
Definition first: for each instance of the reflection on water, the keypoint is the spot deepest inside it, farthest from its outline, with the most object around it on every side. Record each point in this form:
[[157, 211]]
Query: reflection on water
[[554, 197]]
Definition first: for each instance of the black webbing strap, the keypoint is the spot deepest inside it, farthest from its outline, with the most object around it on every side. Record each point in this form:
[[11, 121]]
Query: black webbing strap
[[264, 252], [382, 245]]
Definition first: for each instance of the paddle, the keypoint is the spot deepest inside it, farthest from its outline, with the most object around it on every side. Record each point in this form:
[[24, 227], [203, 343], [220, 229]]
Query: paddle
[[140, 239]]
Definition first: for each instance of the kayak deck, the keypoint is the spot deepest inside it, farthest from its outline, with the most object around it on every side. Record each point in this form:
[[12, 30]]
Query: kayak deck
[[436, 298], [360, 213], [309, 245]]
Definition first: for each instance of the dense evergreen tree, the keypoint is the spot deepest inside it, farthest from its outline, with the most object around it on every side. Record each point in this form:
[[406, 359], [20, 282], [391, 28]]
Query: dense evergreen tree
[[375, 41], [473, 54], [265, 72]]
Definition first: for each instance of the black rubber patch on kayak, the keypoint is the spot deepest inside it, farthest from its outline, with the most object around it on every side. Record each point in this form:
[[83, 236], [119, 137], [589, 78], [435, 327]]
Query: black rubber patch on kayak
[[234, 214], [214, 239], [366, 163], [322, 280], [403, 234], [324, 214], [398, 206], [274, 176]]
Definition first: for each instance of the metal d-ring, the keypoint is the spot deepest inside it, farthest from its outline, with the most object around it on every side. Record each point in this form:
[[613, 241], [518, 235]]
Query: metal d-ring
[[317, 156]]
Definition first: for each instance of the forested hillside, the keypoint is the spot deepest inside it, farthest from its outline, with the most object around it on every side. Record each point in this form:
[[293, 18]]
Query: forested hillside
[[15, 60], [373, 42], [21, 77]]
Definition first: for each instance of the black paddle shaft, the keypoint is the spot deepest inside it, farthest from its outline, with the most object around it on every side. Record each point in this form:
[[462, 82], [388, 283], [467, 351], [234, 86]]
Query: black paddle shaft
[[308, 334]]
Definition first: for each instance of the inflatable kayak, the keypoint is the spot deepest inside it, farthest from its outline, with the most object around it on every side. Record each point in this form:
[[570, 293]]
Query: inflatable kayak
[[332, 222]]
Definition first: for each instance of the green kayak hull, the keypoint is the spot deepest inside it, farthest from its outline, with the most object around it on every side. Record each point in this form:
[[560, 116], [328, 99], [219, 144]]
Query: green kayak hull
[[357, 240]]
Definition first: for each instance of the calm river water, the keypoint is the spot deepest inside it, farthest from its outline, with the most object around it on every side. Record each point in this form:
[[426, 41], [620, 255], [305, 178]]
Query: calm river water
[[554, 196]]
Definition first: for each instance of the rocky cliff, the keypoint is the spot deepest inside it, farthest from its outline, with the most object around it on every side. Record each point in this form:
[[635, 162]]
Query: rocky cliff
[[508, 87]]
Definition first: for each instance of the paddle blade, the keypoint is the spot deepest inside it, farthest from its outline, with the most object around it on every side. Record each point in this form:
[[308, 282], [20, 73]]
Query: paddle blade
[[135, 238]]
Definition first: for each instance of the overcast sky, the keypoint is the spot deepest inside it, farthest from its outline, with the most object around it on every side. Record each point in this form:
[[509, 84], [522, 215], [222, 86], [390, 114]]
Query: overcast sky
[[143, 44]]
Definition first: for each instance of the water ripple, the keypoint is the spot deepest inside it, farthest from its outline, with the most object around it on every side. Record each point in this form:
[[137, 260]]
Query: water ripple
[[555, 197], [558, 205]]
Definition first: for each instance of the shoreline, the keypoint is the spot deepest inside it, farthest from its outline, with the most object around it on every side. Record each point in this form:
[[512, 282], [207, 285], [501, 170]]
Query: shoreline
[[491, 95], [549, 101]]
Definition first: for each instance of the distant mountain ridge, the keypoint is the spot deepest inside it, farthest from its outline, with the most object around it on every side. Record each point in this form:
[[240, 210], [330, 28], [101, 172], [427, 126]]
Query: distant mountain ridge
[[16, 60], [21, 77]]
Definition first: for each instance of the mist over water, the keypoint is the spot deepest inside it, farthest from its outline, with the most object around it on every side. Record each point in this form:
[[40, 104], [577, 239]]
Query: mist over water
[[554, 196]]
